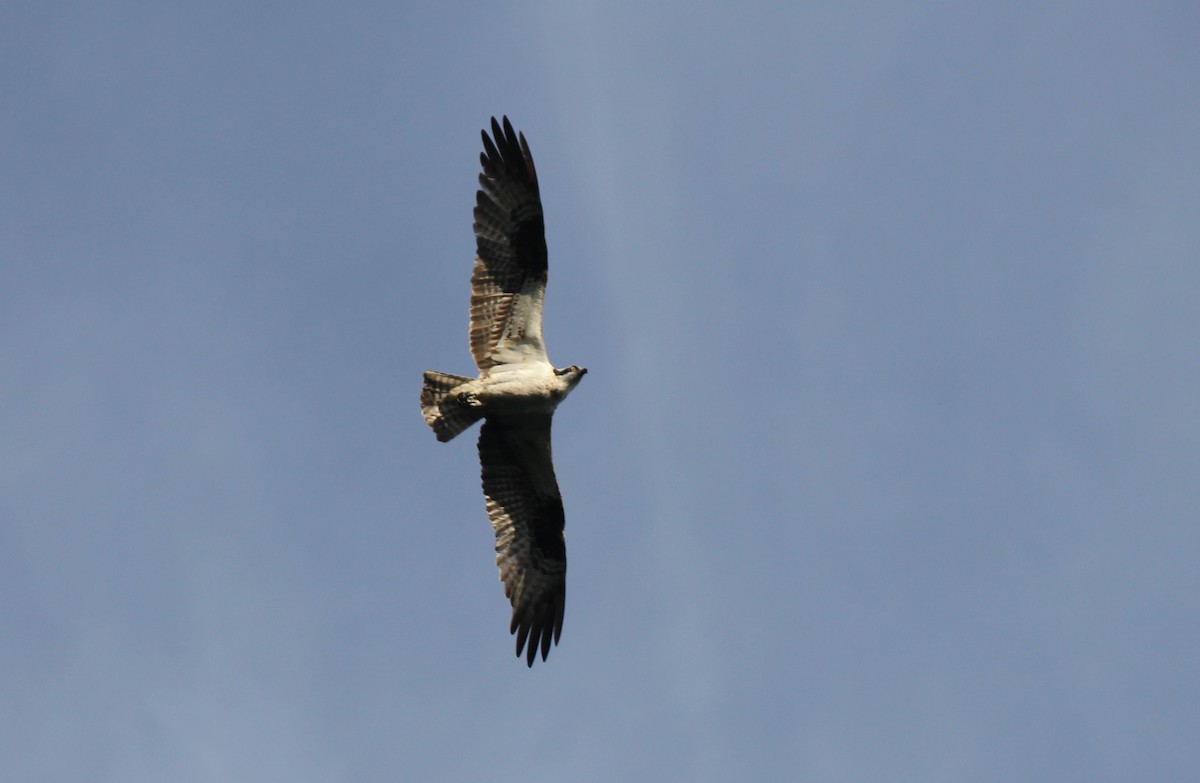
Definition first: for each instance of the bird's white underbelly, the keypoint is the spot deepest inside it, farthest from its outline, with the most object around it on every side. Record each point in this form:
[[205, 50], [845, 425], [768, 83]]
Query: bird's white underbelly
[[527, 387]]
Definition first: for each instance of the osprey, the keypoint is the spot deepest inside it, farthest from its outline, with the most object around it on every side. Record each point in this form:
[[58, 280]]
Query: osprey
[[516, 392]]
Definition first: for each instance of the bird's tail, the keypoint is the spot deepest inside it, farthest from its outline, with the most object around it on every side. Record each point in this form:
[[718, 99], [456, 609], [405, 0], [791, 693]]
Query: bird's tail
[[441, 407]]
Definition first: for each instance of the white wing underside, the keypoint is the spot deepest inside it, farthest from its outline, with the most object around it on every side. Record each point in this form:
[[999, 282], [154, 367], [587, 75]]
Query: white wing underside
[[506, 327]]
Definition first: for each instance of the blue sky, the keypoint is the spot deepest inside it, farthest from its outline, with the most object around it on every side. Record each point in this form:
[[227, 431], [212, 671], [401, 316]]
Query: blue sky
[[885, 467]]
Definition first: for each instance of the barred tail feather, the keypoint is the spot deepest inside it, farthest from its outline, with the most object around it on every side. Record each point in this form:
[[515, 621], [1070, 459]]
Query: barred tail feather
[[440, 405]]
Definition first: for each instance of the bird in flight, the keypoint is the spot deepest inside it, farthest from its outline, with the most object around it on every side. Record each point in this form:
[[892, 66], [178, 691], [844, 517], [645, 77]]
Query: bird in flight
[[516, 392]]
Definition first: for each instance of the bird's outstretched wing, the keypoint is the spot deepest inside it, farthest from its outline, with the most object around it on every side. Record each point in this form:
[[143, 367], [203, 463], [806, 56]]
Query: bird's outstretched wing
[[526, 511], [508, 284]]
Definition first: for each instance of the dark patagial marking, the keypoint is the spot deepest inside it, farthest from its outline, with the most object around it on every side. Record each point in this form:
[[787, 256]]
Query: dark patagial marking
[[547, 536], [529, 244]]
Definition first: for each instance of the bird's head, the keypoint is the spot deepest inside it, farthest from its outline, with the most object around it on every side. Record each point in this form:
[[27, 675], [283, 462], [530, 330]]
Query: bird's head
[[572, 374]]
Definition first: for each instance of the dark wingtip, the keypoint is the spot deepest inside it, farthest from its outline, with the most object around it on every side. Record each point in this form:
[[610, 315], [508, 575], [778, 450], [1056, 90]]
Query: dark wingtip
[[531, 634], [507, 150], [522, 633]]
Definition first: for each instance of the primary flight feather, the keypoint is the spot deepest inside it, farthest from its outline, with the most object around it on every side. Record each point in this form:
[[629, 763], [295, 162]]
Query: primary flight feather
[[516, 392]]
